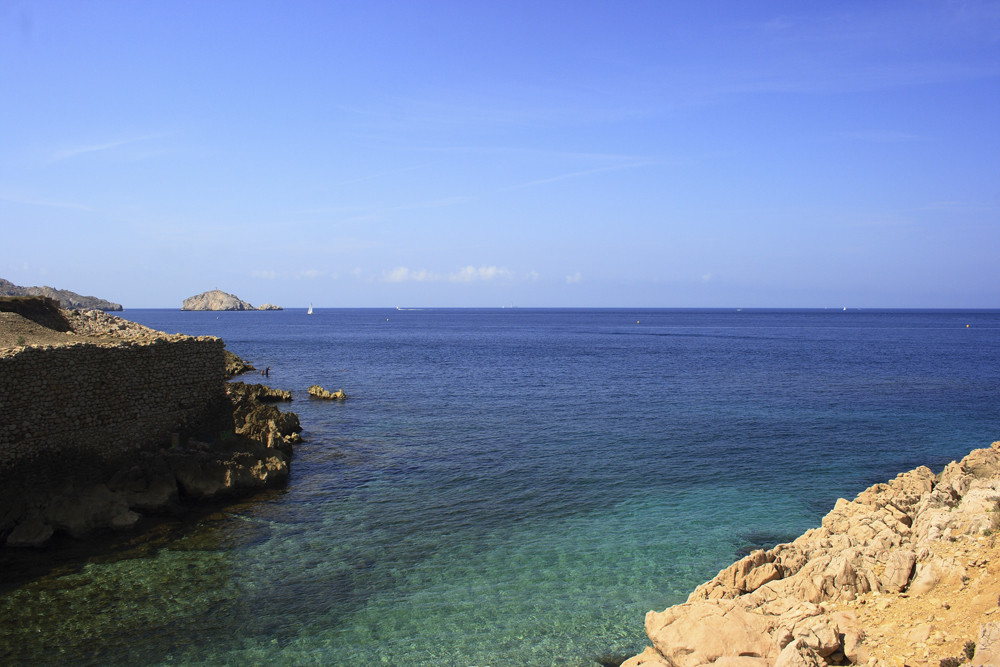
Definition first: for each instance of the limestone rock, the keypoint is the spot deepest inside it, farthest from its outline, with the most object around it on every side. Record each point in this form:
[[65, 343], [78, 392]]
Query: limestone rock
[[697, 633], [987, 645], [898, 571], [66, 298], [269, 306], [774, 607], [236, 366], [797, 654], [319, 392], [650, 657], [215, 300]]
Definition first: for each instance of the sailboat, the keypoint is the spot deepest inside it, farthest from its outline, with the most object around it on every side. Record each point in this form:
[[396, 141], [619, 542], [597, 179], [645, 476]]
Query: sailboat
[[310, 311]]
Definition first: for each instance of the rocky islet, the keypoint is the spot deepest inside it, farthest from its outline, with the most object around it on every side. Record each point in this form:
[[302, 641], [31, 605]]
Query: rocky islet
[[219, 300]]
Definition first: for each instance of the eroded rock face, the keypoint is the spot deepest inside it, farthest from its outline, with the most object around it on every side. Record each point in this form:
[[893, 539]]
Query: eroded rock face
[[776, 607]]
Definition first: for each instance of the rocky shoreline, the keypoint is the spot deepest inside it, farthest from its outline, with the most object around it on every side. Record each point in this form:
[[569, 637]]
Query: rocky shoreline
[[908, 573], [249, 448]]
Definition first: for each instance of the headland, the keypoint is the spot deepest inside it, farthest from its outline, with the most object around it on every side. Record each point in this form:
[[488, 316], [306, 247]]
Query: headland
[[103, 420]]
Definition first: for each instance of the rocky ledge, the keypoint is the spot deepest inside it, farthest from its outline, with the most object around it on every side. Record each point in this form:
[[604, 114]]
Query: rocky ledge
[[908, 573], [253, 457]]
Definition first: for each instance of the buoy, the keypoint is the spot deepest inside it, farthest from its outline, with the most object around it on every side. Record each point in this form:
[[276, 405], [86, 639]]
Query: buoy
[[637, 321]]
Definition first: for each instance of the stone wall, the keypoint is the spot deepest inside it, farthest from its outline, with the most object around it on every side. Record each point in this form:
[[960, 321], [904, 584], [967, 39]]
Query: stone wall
[[87, 408]]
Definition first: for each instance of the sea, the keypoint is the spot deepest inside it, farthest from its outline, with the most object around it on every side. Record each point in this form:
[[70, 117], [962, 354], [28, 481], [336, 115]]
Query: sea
[[511, 487]]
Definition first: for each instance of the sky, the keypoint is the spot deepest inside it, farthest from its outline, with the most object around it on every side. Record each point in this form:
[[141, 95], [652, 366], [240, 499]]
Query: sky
[[485, 154]]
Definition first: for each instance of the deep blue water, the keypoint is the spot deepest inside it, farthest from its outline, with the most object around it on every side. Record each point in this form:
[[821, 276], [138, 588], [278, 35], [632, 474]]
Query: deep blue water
[[518, 487]]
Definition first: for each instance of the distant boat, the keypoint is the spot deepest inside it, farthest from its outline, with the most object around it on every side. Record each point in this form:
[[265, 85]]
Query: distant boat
[[310, 311]]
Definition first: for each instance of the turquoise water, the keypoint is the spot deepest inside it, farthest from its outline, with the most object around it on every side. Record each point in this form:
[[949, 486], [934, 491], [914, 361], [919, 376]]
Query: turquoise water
[[516, 487]]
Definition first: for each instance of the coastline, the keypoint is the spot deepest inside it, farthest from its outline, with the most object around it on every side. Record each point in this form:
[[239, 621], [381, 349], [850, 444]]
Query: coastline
[[908, 573], [106, 421]]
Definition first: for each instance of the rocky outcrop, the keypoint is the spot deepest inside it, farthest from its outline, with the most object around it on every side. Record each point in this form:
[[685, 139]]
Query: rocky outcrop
[[236, 366], [253, 456], [74, 461], [799, 603], [66, 299], [318, 392], [219, 300]]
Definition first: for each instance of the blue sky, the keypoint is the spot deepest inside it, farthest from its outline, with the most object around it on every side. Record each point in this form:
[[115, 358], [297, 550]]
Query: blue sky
[[657, 154]]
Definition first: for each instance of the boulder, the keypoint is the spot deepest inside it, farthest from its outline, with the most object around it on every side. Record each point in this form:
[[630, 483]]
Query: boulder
[[318, 392], [80, 512], [987, 645], [33, 531], [898, 571], [697, 633]]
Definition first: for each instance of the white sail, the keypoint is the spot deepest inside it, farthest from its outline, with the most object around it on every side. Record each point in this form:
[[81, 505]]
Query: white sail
[[310, 311]]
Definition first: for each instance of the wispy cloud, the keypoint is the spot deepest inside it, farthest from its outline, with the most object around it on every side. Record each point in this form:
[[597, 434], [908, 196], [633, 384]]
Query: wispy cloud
[[467, 274], [76, 151], [28, 201], [574, 278], [402, 274], [883, 136], [483, 273], [575, 174]]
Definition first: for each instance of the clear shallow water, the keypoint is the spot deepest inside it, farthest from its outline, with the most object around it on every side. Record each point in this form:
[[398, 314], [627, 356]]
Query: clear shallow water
[[518, 487]]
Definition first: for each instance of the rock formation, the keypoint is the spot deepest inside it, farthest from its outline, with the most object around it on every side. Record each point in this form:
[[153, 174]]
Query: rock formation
[[219, 300], [66, 299], [318, 392], [901, 553], [242, 444]]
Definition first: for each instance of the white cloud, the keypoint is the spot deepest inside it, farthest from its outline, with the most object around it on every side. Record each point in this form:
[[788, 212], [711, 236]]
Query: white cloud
[[470, 274], [311, 274], [705, 278], [574, 278], [264, 275], [401, 274]]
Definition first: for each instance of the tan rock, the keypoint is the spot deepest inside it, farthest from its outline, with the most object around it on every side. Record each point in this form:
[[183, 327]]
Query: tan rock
[[797, 654], [898, 571], [697, 633], [650, 657], [987, 645], [761, 575], [920, 634]]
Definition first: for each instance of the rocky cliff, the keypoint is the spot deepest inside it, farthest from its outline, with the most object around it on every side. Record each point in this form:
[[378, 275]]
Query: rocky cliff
[[908, 573], [65, 298], [219, 300]]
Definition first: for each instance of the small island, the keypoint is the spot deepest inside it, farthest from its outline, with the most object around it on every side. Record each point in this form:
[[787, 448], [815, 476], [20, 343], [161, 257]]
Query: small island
[[219, 300]]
